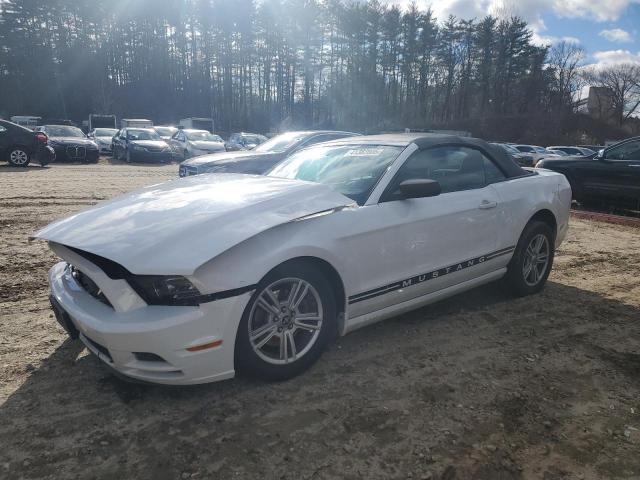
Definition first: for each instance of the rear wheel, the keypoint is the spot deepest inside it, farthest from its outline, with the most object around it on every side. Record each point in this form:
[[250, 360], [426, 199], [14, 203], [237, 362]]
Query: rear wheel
[[287, 323], [532, 261], [19, 157]]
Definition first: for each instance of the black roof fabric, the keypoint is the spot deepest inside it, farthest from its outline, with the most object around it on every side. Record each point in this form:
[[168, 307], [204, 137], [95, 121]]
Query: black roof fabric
[[509, 167]]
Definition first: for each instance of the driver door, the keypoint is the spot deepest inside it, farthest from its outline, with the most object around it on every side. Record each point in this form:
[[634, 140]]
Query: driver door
[[414, 247], [620, 171]]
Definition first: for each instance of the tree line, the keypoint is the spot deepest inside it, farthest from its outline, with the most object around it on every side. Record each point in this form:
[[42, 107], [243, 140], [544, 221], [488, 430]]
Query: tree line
[[275, 64]]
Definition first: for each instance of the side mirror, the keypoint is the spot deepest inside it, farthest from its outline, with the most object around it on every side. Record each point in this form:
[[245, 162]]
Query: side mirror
[[600, 154], [420, 188]]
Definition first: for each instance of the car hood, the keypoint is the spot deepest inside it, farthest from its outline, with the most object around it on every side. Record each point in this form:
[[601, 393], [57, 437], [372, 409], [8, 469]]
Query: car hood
[[216, 158], [71, 141], [174, 227], [149, 143], [205, 145], [561, 161]]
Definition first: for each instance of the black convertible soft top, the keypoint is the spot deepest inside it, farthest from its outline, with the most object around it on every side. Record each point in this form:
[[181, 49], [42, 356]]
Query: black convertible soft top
[[506, 163], [428, 140]]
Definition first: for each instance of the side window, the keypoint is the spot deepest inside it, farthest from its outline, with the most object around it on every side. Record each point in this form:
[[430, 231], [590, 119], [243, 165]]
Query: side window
[[627, 151], [455, 168]]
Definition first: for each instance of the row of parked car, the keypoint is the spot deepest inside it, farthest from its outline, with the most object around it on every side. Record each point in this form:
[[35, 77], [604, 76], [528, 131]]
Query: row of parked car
[[529, 155], [611, 174], [65, 143], [165, 144]]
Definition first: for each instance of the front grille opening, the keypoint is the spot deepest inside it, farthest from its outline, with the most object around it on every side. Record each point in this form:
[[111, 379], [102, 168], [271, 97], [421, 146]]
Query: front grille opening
[[99, 348], [148, 357], [89, 286]]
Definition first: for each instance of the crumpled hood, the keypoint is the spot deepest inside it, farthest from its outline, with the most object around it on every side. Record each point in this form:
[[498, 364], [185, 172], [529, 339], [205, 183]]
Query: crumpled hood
[[224, 156], [174, 227]]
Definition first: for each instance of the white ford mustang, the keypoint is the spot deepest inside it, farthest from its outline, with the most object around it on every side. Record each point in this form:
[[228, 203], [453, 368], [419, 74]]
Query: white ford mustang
[[192, 280]]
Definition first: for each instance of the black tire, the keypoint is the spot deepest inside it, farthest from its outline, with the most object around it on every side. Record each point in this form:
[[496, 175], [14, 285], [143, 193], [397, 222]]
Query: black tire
[[516, 280], [19, 156], [249, 362]]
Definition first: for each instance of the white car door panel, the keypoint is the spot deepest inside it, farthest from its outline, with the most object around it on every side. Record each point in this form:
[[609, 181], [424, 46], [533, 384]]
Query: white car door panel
[[414, 247]]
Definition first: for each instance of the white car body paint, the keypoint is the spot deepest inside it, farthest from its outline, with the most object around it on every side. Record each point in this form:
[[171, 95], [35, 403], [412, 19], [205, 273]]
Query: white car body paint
[[226, 231]]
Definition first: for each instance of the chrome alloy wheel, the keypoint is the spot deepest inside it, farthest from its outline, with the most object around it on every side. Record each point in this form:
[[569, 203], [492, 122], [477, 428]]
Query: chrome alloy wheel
[[19, 157], [536, 260], [285, 321]]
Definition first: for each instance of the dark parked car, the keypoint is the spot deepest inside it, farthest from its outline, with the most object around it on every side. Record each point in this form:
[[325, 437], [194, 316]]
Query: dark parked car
[[70, 144], [612, 175], [262, 158], [19, 145], [244, 141], [141, 145]]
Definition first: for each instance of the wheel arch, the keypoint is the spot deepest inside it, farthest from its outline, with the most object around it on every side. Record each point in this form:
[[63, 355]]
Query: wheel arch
[[546, 216], [329, 271]]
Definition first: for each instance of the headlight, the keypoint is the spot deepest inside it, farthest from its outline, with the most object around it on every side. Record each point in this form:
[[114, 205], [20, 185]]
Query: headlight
[[165, 290], [138, 148]]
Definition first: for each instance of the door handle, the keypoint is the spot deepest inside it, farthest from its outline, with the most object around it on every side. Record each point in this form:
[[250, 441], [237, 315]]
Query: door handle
[[486, 204]]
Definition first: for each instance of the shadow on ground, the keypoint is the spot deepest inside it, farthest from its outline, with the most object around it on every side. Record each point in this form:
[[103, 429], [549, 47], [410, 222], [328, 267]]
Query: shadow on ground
[[478, 386]]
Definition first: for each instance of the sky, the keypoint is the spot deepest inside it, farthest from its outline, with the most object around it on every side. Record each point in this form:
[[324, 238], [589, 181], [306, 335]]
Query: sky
[[606, 29]]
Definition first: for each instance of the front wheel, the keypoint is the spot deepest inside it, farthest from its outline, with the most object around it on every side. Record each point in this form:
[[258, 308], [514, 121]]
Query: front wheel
[[19, 157], [531, 264], [287, 323]]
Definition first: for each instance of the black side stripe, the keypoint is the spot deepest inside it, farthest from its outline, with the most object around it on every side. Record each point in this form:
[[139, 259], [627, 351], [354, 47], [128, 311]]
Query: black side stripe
[[456, 267], [212, 297]]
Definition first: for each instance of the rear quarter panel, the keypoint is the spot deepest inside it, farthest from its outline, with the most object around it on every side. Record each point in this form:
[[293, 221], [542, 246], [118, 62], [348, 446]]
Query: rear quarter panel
[[523, 197]]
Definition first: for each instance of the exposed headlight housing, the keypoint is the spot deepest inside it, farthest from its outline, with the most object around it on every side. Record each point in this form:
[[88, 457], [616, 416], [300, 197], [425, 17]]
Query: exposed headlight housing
[[165, 290]]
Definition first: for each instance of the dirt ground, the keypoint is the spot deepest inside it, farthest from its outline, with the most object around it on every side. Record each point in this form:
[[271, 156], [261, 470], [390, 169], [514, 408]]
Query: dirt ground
[[480, 386]]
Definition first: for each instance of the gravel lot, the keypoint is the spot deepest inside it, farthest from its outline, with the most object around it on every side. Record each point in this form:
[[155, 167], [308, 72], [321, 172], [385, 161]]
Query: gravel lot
[[480, 386]]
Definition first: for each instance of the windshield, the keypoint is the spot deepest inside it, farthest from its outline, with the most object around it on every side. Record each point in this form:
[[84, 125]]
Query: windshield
[[352, 170], [105, 132], [203, 136], [165, 131], [281, 142], [140, 134], [252, 139], [63, 131]]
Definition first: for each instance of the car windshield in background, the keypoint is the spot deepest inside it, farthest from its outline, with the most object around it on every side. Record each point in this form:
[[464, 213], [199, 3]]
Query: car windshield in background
[[281, 142], [252, 139], [165, 131], [105, 132], [63, 131], [135, 134], [203, 137], [353, 170]]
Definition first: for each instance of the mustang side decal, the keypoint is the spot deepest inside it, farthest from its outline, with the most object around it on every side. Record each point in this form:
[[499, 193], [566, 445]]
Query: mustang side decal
[[428, 276]]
